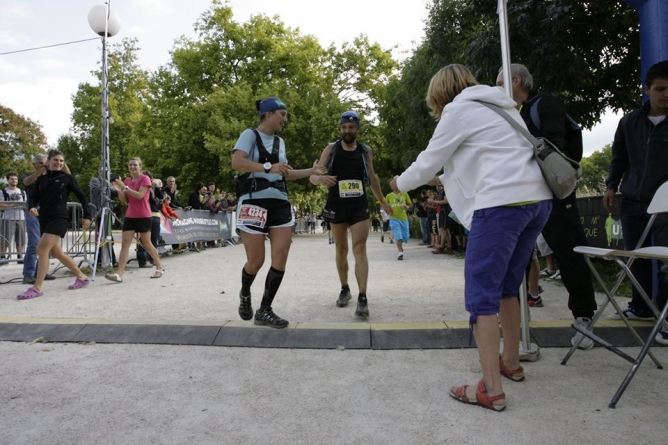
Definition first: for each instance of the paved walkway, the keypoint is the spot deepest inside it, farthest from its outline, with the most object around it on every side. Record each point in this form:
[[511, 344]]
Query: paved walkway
[[339, 389]]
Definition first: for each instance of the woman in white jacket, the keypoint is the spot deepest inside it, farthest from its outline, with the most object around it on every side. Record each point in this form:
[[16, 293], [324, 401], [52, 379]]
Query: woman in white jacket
[[497, 191]]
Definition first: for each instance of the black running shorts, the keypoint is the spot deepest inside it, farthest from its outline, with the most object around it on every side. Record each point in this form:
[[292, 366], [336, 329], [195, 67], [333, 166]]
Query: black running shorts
[[348, 213], [260, 215], [56, 226], [137, 225]]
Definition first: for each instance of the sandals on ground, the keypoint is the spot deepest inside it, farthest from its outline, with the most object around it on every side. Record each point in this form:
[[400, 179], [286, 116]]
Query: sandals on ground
[[78, 284], [29, 294], [516, 375], [482, 399], [116, 278], [158, 273]]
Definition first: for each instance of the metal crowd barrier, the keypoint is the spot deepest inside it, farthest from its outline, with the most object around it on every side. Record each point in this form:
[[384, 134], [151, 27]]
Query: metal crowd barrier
[[301, 226], [78, 243], [6, 241]]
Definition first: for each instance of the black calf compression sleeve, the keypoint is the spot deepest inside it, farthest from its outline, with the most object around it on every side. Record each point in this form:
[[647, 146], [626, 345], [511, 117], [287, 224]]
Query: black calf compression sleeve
[[246, 282], [271, 285]]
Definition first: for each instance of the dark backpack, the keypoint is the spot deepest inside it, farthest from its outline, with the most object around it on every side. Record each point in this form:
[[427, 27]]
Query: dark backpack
[[246, 182], [573, 145], [365, 158], [6, 195]]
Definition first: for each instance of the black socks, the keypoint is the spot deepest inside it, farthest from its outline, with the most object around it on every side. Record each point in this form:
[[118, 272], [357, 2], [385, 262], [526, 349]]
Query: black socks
[[246, 282], [271, 285], [362, 297]]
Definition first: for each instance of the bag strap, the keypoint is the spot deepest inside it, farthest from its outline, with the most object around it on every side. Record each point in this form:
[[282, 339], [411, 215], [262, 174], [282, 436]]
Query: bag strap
[[538, 145], [535, 142], [533, 111]]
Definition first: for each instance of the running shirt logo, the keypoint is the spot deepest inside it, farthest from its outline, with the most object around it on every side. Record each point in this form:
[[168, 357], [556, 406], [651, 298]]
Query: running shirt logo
[[350, 188], [252, 215]]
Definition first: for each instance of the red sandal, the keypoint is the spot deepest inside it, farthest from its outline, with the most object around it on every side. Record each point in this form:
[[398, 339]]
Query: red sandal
[[516, 375], [482, 399]]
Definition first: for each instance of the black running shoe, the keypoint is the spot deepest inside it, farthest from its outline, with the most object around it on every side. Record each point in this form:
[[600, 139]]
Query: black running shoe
[[245, 307], [362, 309], [268, 318], [344, 298]]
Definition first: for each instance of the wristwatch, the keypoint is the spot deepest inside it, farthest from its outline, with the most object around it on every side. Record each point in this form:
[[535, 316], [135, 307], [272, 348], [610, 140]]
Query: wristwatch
[[126, 188], [267, 167]]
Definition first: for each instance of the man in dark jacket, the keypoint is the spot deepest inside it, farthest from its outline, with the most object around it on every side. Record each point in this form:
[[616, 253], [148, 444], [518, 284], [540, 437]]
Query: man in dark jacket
[[640, 163], [563, 230]]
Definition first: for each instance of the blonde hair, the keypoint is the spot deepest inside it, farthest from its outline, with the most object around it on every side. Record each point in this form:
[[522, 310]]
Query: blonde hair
[[446, 84], [136, 159]]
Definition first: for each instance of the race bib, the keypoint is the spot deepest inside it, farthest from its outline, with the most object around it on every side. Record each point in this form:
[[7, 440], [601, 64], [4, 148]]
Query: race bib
[[251, 215], [350, 188]]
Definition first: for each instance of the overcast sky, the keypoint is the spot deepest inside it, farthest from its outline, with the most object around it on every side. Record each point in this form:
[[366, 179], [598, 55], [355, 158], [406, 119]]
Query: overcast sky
[[40, 84]]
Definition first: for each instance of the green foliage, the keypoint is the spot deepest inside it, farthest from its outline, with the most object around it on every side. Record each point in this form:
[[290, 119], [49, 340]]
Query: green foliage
[[127, 89], [20, 140], [589, 71], [205, 97], [595, 170]]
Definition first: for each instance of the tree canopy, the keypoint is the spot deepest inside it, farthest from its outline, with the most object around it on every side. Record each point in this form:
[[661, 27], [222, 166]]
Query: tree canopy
[[590, 71], [20, 140], [184, 118]]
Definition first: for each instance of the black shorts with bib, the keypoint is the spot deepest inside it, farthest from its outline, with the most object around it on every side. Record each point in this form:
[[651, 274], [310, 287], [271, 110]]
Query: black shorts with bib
[[260, 215]]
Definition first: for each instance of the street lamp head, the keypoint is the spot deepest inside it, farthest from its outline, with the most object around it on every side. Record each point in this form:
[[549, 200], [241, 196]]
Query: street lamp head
[[97, 18]]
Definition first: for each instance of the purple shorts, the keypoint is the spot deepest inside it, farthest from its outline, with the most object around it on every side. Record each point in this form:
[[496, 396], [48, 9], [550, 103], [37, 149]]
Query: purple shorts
[[498, 251]]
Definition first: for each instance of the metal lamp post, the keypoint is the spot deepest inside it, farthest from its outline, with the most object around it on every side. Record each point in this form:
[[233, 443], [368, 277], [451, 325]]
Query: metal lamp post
[[105, 23]]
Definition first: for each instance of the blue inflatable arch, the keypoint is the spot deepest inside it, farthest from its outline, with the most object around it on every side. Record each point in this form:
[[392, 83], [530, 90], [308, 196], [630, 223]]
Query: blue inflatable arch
[[653, 18]]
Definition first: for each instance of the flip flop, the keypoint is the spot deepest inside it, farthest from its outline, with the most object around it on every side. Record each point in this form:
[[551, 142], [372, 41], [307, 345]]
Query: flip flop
[[116, 278], [29, 294], [482, 399], [78, 284]]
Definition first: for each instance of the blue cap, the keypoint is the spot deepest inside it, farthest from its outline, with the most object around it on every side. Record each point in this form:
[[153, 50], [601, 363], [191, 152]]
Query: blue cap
[[350, 116], [271, 104]]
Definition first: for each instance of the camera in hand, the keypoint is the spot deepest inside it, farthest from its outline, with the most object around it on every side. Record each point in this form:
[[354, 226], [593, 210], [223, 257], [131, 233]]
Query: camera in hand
[[114, 176]]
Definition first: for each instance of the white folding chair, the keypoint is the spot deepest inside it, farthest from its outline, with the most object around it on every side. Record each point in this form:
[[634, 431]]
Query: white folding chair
[[624, 259]]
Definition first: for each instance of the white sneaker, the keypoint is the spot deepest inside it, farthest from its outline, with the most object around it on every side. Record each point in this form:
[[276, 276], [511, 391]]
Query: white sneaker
[[586, 343], [555, 276], [662, 337], [547, 272], [400, 256]]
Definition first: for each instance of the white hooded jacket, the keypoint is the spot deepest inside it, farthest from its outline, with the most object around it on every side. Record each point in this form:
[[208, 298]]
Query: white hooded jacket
[[486, 162]]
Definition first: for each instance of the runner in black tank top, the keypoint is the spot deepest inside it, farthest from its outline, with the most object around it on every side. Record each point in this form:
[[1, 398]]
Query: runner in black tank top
[[347, 205]]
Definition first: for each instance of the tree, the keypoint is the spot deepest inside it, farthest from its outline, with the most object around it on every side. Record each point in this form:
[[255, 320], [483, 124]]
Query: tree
[[20, 139], [127, 90], [204, 98], [589, 71], [595, 169]]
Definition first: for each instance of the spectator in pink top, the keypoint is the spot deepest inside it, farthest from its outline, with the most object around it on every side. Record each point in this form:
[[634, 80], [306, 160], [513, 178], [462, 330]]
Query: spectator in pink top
[[135, 191]]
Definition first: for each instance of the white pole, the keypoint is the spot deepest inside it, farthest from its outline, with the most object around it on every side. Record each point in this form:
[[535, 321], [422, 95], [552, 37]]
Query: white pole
[[528, 351], [502, 11], [106, 172]]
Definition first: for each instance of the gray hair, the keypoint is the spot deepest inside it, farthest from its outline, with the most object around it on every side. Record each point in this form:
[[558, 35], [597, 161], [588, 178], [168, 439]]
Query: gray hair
[[38, 157], [521, 71]]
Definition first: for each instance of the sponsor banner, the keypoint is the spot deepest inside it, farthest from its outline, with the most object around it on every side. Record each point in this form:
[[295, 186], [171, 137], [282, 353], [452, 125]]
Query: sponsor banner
[[601, 228], [197, 225]]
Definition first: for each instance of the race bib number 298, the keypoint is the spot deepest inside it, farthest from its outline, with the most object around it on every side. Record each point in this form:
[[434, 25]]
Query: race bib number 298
[[350, 188]]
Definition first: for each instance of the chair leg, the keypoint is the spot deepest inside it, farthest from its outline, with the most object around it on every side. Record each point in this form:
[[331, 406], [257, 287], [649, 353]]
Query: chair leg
[[599, 313], [641, 356]]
